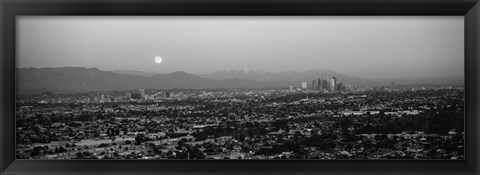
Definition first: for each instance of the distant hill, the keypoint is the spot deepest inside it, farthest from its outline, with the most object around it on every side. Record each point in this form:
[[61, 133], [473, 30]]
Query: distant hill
[[134, 72], [78, 79]]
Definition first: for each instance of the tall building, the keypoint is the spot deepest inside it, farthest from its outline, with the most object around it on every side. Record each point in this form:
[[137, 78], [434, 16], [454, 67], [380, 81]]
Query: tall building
[[142, 92], [320, 84], [325, 84], [334, 80], [314, 85], [304, 85], [332, 86], [291, 88]]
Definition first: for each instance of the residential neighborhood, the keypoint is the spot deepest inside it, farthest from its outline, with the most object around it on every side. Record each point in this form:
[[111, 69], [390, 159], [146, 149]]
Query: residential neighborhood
[[387, 123]]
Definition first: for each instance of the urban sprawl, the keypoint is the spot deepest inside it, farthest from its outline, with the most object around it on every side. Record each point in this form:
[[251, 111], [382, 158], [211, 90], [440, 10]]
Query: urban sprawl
[[322, 119]]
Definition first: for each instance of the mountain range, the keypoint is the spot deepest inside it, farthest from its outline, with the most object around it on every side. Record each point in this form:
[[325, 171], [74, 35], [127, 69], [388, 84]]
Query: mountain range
[[80, 79]]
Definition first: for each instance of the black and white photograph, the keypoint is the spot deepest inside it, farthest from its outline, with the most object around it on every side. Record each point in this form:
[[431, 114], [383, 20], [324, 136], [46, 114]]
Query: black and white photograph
[[240, 87]]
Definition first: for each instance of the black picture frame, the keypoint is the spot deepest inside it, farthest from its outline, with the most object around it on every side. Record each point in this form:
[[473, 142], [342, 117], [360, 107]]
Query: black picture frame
[[470, 9]]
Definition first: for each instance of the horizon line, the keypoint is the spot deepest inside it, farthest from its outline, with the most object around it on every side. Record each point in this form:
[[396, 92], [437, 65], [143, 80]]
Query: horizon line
[[327, 70]]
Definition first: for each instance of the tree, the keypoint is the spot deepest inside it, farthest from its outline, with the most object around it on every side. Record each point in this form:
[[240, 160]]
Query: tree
[[83, 155], [36, 151], [140, 138]]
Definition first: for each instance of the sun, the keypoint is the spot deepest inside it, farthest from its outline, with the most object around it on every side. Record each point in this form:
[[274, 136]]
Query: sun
[[158, 59]]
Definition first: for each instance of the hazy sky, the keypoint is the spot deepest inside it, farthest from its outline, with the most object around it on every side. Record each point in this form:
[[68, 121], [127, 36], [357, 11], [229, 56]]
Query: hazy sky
[[368, 47]]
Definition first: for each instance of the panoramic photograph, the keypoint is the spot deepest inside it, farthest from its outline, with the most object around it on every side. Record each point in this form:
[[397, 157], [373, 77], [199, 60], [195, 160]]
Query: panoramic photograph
[[240, 87]]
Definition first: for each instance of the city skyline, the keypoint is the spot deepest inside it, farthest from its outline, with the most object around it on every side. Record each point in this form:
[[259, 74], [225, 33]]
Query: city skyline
[[367, 47]]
